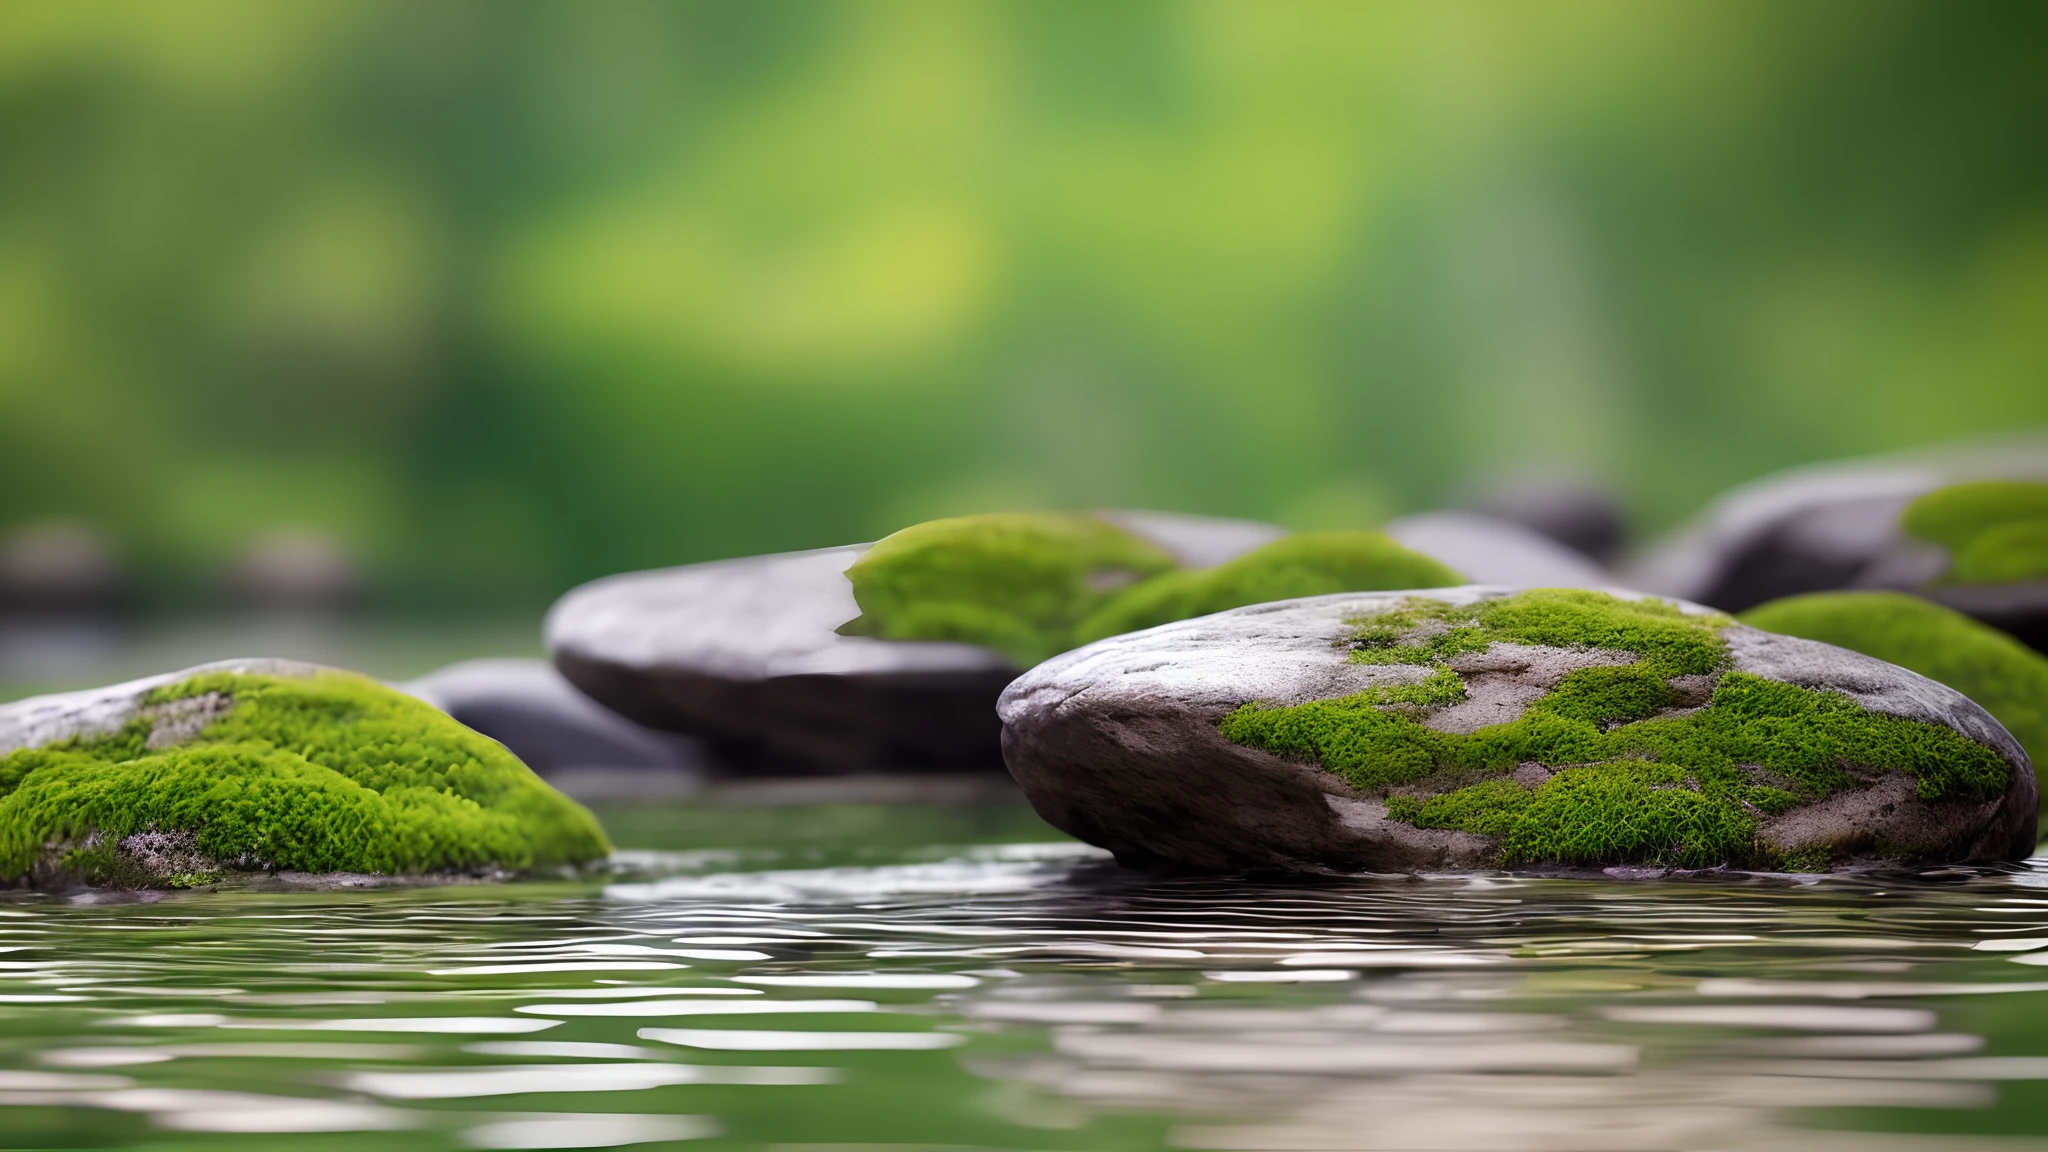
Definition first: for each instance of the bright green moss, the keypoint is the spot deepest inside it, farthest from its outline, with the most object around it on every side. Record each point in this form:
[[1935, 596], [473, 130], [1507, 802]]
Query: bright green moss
[[1017, 582], [1996, 531], [1684, 789], [1953, 516], [1034, 585], [1596, 814], [2005, 676], [334, 773], [2005, 554], [1307, 564], [1430, 631]]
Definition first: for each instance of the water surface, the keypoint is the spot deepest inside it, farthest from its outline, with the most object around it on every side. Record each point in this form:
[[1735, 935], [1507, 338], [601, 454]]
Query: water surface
[[864, 976]]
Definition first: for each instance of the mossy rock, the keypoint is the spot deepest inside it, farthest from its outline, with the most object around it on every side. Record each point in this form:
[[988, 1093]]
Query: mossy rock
[[1992, 539], [2009, 679], [1996, 532], [1960, 516], [1837, 525], [230, 770], [1474, 728], [889, 657]]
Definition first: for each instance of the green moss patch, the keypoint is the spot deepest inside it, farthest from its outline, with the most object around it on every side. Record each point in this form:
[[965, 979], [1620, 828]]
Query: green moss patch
[[1996, 531], [1664, 639], [2008, 678], [1629, 785], [1033, 585], [333, 773], [1016, 582], [1307, 564]]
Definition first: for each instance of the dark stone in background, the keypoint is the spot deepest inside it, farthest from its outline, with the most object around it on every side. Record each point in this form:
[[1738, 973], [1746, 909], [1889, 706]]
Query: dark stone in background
[[1489, 550], [1578, 514], [1836, 526]]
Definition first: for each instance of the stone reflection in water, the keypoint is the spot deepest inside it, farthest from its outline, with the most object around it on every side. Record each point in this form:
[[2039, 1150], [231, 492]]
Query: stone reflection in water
[[1415, 1060], [1033, 997]]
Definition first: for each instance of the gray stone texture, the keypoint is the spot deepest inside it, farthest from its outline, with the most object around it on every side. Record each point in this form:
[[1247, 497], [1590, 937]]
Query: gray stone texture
[[747, 654], [1117, 742]]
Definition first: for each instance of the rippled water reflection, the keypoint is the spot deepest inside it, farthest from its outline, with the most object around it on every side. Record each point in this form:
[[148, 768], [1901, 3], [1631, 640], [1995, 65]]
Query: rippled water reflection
[[1033, 996]]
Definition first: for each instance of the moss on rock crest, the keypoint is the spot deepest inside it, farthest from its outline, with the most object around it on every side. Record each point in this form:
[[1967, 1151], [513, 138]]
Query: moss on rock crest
[[1684, 788], [1996, 531], [331, 773], [1016, 582], [2005, 676], [1033, 585], [1306, 564]]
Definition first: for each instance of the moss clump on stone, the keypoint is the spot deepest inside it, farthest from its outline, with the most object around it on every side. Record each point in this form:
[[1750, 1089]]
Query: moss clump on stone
[[1033, 585], [1016, 582], [1629, 785], [1996, 531], [1307, 564], [2005, 676], [332, 773], [1665, 639]]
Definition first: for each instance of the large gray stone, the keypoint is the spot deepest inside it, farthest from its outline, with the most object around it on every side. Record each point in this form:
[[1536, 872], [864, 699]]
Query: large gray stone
[[747, 654], [1117, 743]]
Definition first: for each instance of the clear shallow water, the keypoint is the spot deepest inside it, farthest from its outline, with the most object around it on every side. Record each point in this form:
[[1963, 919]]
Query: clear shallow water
[[881, 979]]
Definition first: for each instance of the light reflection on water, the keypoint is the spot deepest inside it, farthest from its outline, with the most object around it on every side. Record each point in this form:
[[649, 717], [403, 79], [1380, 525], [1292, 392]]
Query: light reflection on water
[[1032, 996]]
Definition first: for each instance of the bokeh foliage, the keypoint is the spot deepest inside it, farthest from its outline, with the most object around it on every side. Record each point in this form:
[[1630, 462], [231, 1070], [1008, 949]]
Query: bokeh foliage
[[503, 295]]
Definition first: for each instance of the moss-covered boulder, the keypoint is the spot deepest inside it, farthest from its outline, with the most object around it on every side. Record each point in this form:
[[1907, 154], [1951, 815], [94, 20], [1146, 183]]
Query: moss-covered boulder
[[1836, 525], [2009, 679], [1471, 727], [889, 657], [266, 766], [1995, 537]]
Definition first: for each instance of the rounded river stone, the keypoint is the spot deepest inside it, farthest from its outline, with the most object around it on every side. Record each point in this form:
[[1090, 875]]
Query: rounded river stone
[[1120, 743]]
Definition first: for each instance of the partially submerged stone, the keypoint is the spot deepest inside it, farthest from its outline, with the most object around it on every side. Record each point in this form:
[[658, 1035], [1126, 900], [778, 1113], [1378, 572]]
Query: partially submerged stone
[[1478, 727], [2009, 679], [889, 657], [266, 766]]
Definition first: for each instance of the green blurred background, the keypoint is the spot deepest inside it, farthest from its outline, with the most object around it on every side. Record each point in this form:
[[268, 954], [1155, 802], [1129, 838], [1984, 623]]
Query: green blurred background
[[493, 297]]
